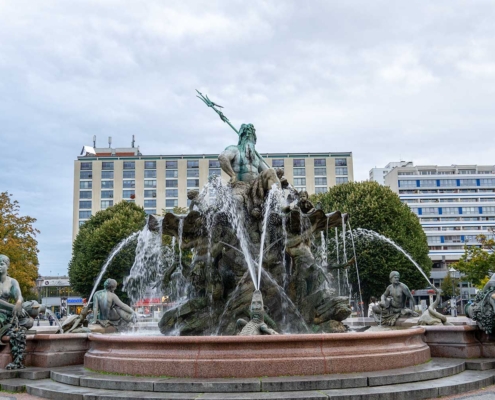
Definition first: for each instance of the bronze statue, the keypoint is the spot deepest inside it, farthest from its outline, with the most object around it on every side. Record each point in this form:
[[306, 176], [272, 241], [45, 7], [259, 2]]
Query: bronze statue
[[257, 325], [393, 302], [109, 311]]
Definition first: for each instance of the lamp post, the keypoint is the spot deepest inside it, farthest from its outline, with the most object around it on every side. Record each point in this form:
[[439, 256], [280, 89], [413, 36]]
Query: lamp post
[[453, 304]]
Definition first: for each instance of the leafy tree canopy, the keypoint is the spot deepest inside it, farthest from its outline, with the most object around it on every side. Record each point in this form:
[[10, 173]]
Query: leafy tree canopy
[[95, 241], [447, 284], [18, 242], [375, 207], [478, 262]]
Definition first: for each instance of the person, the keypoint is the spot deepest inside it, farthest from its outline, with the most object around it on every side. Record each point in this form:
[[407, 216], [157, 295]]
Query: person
[[108, 309], [10, 290], [373, 303], [50, 319]]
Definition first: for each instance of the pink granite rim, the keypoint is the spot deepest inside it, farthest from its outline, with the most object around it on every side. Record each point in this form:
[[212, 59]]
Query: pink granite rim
[[451, 328], [257, 339]]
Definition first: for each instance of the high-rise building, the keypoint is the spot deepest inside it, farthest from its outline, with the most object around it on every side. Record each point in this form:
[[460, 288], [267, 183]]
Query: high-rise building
[[454, 204], [106, 176]]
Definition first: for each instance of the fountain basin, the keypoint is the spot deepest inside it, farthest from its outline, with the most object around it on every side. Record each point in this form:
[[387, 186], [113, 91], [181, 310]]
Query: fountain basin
[[255, 356]]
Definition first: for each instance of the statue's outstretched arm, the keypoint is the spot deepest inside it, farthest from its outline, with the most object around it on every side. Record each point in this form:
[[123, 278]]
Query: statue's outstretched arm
[[226, 158], [119, 303], [267, 331]]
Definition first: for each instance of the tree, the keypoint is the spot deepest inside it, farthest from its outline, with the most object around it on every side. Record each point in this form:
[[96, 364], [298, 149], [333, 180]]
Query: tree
[[375, 207], [96, 239], [478, 262], [18, 242], [447, 284]]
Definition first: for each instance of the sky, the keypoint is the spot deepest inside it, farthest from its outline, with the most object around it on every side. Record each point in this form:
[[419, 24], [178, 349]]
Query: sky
[[387, 80]]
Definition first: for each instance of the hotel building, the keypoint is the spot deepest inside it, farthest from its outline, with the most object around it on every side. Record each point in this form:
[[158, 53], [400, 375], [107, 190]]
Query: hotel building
[[106, 176]]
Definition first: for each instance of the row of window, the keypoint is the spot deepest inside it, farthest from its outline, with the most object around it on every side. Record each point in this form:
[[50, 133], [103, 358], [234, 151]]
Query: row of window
[[446, 182], [126, 194], [450, 200], [452, 172], [453, 210], [149, 173], [457, 228], [435, 191], [194, 164], [452, 239]]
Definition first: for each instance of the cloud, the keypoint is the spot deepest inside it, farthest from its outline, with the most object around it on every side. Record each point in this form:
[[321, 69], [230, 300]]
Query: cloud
[[385, 80]]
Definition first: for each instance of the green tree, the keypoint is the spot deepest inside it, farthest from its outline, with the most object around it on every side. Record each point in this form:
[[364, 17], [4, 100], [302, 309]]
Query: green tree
[[18, 242], [375, 207], [478, 262], [447, 284], [96, 239]]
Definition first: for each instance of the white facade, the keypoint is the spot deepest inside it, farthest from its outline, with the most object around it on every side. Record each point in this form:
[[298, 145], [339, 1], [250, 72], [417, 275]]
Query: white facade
[[454, 204], [378, 174]]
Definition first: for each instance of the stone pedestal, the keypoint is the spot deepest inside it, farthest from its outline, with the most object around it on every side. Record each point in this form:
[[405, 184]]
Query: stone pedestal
[[453, 341]]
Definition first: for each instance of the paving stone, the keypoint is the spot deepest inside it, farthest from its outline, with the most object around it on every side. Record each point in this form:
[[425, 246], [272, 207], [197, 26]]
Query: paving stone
[[208, 385], [34, 373], [56, 391], [7, 398], [322, 382], [117, 382], [467, 381], [302, 395], [7, 374]]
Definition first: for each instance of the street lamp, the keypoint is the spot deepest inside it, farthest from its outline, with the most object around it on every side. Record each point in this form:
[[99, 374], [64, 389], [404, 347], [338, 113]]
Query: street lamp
[[453, 305]]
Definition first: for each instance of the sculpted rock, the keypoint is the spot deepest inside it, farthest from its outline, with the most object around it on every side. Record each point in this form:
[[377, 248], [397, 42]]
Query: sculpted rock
[[482, 310]]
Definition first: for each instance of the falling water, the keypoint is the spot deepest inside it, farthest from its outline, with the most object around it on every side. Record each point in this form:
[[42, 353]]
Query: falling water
[[110, 258], [372, 234], [338, 257], [357, 271], [49, 312]]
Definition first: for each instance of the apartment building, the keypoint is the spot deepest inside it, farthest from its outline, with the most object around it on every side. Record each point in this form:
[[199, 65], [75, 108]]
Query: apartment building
[[454, 204], [106, 176], [378, 174]]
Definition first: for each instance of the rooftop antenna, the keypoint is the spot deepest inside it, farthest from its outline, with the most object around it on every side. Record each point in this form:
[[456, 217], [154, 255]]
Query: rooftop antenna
[[133, 141], [94, 141], [109, 142]]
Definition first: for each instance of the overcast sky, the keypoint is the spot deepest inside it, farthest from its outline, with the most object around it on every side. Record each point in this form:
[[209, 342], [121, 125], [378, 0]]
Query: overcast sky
[[387, 80]]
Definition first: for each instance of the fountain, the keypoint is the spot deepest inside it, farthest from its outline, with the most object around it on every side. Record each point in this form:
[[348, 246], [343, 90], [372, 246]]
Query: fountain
[[255, 234]]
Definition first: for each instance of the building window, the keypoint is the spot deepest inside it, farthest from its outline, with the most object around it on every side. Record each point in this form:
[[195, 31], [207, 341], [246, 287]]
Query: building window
[[448, 182], [467, 171], [107, 165], [488, 210], [470, 239], [487, 182], [427, 183], [407, 184], [450, 210], [470, 210], [171, 164], [321, 190], [320, 162], [171, 183], [107, 194], [278, 163], [341, 162], [171, 173], [106, 204], [298, 162], [192, 163], [193, 183], [85, 204], [128, 194], [86, 166], [452, 239], [171, 193], [321, 181], [85, 174], [430, 210], [150, 173], [129, 165], [150, 183], [300, 181], [150, 203], [85, 194], [342, 179], [467, 182], [216, 172], [320, 171], [107, 184], [170, 203], [434, 239], [341, 171], [81, 223], [214, 164], [106, 174], [85, 185], [193, 173], [129, 184], [299, 171], [84, 214], [150, 165], [150, 212], [150, 193], [129, 174]]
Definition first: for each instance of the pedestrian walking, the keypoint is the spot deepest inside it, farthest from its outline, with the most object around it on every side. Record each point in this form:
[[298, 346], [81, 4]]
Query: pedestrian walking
[[373, 302]]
